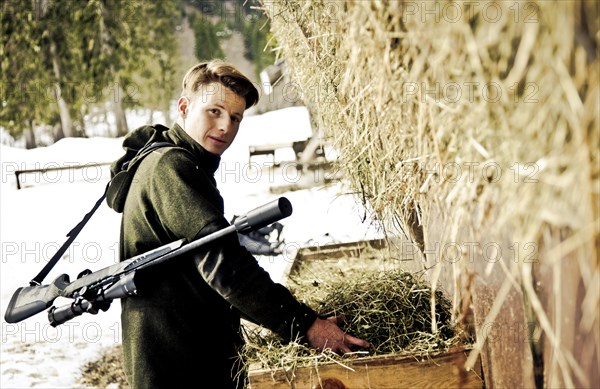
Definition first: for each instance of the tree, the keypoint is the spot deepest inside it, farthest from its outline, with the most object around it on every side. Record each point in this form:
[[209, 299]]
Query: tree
[[153, 73], [208, 42], [134, 54], [24, 82], [59, 57], [258, 39]]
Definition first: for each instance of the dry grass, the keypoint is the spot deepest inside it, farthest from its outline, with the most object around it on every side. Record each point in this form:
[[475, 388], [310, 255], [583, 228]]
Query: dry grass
[[105, 371], [483, 126], [389, 309]]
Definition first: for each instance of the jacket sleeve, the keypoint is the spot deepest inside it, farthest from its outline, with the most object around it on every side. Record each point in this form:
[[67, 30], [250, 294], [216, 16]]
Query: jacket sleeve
[[186, 203]]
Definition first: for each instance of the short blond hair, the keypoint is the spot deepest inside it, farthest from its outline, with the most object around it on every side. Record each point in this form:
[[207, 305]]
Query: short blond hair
[[216, 70]]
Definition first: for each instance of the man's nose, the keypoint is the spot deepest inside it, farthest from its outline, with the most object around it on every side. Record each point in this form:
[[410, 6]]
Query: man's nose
[[226, 124]]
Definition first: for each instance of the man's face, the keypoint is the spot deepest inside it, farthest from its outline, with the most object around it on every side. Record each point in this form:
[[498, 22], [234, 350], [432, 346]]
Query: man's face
[[213, 116]]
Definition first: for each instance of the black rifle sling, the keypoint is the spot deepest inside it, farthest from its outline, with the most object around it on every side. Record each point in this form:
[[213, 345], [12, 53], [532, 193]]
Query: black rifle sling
[[129, 166]]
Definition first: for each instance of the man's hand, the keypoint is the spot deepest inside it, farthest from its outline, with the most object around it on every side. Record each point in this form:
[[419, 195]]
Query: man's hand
[[327, 334]]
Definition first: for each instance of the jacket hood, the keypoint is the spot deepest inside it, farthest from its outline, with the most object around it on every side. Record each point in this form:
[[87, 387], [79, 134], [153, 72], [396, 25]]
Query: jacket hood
[[136, 140], [140, 137], [122, 175]]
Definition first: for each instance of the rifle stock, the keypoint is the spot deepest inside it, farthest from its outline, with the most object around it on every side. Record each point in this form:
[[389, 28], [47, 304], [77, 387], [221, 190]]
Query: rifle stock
[[29, 300]]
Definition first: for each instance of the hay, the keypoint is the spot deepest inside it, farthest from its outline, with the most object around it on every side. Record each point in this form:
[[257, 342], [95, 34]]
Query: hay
[[105, 371], [480, 121], [389, 309]]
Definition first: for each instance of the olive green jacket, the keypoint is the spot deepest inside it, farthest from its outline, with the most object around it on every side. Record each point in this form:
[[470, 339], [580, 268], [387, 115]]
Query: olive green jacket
[[185, 320]]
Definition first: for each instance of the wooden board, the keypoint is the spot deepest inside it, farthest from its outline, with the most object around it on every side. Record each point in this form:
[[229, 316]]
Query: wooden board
[[380, 372], [339, 250], [563, 297]]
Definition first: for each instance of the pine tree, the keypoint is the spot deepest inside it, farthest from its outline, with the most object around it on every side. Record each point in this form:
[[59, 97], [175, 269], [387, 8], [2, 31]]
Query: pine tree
[[208, 43], [23, 78], [59, 57], [153, 74], [258, 39]]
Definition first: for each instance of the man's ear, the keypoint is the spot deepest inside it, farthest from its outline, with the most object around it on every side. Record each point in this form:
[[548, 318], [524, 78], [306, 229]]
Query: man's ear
[[183, 106]]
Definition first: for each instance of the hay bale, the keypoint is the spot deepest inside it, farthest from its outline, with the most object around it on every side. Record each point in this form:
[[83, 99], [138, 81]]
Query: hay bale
[[479, 120]]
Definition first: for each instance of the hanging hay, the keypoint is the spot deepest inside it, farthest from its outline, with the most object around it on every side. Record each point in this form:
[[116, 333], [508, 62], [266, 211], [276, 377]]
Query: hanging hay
[[478, 123], [389, 309]]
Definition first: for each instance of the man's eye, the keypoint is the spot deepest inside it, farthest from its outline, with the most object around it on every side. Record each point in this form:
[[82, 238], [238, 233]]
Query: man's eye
[[213, 111]]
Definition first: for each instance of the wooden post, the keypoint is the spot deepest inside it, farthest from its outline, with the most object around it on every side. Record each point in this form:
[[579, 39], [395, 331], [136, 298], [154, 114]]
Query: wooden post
[[506, 358]]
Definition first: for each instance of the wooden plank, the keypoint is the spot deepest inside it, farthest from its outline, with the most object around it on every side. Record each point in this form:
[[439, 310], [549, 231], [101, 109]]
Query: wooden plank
[[563, 297], [339, 250], [381, 372], [268, 149], [18, 173]]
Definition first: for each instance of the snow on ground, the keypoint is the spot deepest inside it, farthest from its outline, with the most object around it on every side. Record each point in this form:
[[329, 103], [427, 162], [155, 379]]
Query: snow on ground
[[35, 220]]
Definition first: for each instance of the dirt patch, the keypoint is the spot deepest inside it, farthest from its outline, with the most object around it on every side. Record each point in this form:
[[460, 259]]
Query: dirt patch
[[105, 371]]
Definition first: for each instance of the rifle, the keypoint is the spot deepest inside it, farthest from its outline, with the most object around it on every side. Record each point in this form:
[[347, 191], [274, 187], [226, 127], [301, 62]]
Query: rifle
[[94, 291]]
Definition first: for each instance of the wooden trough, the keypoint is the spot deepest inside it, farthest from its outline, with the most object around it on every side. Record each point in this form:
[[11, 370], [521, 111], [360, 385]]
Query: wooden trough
[[391, 371], [378, 372]]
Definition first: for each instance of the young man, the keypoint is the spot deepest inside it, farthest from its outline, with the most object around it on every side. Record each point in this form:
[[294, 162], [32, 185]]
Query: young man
[[182, 331]]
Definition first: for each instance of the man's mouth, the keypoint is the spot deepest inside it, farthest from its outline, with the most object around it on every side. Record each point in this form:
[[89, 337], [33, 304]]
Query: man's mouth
[[218, 140]]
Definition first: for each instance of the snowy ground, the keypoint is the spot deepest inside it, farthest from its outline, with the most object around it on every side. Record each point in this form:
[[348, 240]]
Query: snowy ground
[[35, 219]]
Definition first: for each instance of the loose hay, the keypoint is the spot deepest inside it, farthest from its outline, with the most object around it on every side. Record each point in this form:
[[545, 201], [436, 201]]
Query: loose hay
[[389, 309], [105, 371]]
